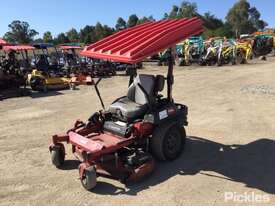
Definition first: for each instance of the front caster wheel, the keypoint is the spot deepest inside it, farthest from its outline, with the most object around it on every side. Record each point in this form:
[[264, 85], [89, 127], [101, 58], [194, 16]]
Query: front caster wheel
[[58, 155], [88, 180]]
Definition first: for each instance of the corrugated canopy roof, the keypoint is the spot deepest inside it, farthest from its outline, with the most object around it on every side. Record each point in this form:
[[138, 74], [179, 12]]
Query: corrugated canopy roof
[[3, 42], [135, 44], [18, 47], [67, 47]]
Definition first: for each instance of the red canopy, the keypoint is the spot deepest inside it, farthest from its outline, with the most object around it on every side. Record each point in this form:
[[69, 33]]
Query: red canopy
[[3, 42], [66, 47], [18, 47], [134, 44]]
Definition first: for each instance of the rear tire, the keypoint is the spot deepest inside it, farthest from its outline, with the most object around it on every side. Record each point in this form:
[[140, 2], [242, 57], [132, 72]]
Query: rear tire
[[168, 141]]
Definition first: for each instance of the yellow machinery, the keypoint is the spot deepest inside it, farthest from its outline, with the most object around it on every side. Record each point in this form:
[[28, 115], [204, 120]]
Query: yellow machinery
[[42, 81], [226, 53], [244, 51]]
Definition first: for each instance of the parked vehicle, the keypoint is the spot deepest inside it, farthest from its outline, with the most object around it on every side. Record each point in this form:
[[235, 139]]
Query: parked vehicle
[[120, 142], [190, 51], [15, 66]]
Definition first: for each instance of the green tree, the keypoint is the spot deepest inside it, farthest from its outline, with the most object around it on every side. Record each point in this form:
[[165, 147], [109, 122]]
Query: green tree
[[146, 19], [102, 31], [211, 21], [132, 21], [188, 9], [120, 24], [215, 27], [244, 19], [61, 39], [20, 32], [87, 34], [225, 30], [73, 35], [255, 19], [165, 16], [174, 12], [38, 40], [47, 37]]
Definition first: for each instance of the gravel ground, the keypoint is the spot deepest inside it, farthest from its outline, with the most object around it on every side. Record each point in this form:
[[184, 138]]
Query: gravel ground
[[230, 146]]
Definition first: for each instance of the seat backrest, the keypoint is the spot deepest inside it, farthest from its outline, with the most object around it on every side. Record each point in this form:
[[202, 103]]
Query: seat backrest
[[159, 84], [142, 89]]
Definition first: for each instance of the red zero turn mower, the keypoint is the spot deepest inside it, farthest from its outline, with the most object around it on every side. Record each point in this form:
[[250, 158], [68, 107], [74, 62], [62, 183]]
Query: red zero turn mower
[[121, 142]]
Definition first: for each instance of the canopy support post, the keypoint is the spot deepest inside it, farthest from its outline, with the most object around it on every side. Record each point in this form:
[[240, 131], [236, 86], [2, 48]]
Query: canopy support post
[[170, 76], [98, 93], [133, 73]]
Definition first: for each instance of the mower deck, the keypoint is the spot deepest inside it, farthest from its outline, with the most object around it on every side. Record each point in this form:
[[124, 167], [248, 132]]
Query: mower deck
[[98, 144], [104, 152]]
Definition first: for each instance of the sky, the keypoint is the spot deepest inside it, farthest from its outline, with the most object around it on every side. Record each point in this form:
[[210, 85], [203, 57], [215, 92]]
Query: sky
[[61, 15]]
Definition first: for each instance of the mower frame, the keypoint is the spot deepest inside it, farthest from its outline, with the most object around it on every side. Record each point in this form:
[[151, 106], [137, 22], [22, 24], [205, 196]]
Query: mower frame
[[112, 145], [84, 138]]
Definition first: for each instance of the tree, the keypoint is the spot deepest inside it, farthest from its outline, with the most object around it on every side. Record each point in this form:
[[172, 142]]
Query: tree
[[84, 32], [102, 31], [47, 37], [120, 24], [91, 34], [20, 32], [244, 19], [174, 12], [165, 16], [255, 19], [188, 9], [73, 35], [146, 19], [87, 34], [132, 21], [225, 30], [211, 21], [61, 39], [38, 40], [215, 27]]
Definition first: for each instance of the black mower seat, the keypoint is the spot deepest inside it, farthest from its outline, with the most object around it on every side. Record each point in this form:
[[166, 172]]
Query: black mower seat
[[141, 95], [127, 110]]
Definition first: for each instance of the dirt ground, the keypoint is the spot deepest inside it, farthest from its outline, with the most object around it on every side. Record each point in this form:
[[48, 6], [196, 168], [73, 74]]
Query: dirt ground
[[230, 146]]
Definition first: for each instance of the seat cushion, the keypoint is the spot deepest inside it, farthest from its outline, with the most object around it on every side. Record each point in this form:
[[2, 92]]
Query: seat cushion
[[127, 110]]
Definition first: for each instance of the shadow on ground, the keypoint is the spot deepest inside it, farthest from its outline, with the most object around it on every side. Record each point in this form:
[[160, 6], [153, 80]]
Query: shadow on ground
[[251, 164], [14, 93], [35, 95]]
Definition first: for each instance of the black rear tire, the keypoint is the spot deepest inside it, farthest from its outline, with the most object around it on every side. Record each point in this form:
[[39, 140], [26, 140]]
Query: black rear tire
[[168, 141]]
